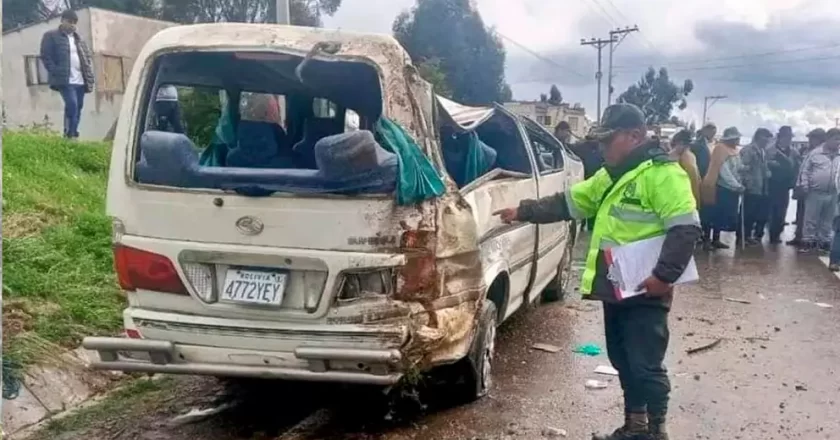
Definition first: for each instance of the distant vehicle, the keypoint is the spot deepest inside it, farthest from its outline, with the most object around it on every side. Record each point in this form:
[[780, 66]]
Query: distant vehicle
[[278, 249]]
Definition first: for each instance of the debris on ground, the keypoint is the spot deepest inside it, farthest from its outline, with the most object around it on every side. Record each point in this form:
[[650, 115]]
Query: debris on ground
[[801, 388], [550, 432], [705, 347], [737, 300], [593, 384], [801, 300], [546, 347], [588, 349], [606, 369], [197, 415], [823, 305]]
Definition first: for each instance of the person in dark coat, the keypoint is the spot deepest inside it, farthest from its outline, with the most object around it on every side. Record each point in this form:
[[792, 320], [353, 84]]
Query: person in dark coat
[[70, 68], [783, 162], [590, 154]]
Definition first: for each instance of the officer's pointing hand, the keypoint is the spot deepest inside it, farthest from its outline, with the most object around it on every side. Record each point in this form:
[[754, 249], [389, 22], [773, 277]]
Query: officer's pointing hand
[[507, 215], [654, 287]]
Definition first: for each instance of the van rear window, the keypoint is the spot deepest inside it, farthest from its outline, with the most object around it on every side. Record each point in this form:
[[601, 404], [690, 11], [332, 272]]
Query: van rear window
[[259, 124]]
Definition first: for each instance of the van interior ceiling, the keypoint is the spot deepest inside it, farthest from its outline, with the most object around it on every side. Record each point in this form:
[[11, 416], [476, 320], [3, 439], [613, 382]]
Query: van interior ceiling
[[258, 129], [498, 144]]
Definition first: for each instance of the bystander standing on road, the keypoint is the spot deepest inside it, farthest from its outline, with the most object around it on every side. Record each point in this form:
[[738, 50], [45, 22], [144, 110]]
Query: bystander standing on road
[[701, 148], [681, 152], [816, 138], [783, 162], [68, 62], [590, 154], [818, 184], [722, 188], [756, 176], [647, 194]]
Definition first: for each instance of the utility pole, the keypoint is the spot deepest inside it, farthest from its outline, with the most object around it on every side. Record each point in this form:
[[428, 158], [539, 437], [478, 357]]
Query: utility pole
[[707, 105], [616, 37], [599, 44], [283, 13]]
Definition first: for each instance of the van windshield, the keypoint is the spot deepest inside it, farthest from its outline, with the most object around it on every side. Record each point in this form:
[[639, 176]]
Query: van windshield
[[260, 123]]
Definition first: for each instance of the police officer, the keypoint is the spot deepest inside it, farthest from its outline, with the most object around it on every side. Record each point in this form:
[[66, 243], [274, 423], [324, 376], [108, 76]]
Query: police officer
[[641, 192]]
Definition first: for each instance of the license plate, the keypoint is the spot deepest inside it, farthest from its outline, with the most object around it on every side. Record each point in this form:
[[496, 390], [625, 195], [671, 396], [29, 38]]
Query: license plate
[[254, 287]]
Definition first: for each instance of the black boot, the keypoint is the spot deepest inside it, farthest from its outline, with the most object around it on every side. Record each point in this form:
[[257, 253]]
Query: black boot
[[657, 431], [635, 428]]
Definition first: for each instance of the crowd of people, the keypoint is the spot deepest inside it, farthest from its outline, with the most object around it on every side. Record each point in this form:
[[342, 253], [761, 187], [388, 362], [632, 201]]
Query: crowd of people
[[747, 189]]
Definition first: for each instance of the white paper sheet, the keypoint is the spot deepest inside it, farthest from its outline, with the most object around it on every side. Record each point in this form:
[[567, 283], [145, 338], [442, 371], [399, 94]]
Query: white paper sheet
[[632, 263]]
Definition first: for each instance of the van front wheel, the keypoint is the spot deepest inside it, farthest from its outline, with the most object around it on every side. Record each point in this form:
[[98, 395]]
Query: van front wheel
[[476, 368]]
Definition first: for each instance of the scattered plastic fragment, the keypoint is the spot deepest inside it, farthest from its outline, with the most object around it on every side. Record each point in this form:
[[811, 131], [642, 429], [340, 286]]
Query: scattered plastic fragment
[[606, 369], [546, 347], [824, 305], [588, 349], [593, 384]]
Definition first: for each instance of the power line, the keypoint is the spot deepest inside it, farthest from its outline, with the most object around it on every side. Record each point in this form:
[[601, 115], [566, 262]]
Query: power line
[[541, 57], [607, 14], [753, 64], [741, 56]]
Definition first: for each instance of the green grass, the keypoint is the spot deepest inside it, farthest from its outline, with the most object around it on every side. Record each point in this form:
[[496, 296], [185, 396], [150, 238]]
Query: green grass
[[58, 279]]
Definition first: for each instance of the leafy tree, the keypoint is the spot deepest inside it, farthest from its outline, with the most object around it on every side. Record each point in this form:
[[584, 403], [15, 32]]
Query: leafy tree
[[554, 95], [431, 71], [657, 95], [303, 12], [471, 56], [543, 97]]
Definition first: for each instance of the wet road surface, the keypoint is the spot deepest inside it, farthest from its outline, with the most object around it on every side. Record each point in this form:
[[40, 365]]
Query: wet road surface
[[774, 375]]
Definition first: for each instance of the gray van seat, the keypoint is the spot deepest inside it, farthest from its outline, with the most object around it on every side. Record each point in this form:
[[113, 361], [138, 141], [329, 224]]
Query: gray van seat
[[260, 145], [171, 159], [315, 129]]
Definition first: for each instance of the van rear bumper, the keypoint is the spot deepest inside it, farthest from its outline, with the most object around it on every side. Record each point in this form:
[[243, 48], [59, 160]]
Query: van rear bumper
[[375, 367]]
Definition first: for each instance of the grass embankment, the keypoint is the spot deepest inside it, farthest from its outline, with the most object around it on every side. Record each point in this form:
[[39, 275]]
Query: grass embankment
[[58, 278]]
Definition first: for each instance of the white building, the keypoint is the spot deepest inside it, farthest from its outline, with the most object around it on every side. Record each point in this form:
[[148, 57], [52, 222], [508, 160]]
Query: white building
[[115, 39], [549, 115]]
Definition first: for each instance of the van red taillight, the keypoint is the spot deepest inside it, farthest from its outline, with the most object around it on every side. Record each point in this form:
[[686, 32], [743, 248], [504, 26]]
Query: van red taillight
[[138, 269]]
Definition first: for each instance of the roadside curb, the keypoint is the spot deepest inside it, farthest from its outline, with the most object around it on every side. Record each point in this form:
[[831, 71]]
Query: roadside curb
[[50, 389], [824, 261]]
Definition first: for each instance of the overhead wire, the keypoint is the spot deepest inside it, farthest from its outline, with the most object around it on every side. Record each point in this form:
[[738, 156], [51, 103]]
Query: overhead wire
[[541, 57], [740, 56]]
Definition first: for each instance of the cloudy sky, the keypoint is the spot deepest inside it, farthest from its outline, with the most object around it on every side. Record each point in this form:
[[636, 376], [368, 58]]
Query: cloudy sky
[[778, 61]]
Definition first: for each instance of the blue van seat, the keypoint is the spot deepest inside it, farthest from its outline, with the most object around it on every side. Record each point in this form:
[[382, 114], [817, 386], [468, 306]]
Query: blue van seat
[[260, 145], [171, 159], [315, 129]]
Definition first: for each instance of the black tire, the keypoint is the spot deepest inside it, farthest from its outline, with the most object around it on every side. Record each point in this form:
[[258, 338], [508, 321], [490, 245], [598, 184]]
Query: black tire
[[558, 287], [475, 370]]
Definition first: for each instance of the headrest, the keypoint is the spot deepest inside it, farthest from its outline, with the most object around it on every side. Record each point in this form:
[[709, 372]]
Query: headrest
[[350, 153]]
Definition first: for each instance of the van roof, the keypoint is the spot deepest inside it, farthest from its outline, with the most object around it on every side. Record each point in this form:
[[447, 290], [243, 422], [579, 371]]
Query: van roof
[[271, 36]]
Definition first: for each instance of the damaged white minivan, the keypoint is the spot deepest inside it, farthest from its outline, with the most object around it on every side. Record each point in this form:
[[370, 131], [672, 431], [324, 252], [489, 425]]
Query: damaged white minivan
[[308, 209]]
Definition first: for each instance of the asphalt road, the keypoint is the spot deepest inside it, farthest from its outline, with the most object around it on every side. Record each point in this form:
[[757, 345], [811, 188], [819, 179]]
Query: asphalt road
[[774, 374]]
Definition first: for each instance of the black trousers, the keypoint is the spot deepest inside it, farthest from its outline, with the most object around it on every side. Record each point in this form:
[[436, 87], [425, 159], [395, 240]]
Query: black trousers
[[779, 200], [800, 217], [756, 210], [637, 339]]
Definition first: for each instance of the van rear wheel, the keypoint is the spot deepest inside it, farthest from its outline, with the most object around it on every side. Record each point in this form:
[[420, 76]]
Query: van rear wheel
[[475, 370]]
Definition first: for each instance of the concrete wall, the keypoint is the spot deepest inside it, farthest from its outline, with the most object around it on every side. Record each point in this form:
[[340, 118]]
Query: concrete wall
[[115, 40]]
